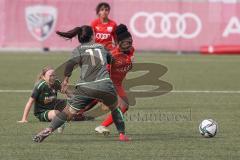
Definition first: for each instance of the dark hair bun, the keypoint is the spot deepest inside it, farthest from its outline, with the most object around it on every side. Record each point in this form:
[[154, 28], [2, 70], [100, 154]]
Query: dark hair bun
[[122, 32], [121, 29]]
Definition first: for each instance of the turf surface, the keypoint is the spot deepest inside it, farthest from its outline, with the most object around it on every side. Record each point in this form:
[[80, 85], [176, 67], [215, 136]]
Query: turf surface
[[163, 127]]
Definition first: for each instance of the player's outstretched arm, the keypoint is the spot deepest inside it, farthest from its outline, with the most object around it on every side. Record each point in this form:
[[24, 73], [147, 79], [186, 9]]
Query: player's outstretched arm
[[64, 85], [27, 110]]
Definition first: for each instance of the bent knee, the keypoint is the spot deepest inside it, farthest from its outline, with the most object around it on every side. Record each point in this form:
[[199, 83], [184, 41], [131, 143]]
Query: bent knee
[[52, 114], [70, 112]]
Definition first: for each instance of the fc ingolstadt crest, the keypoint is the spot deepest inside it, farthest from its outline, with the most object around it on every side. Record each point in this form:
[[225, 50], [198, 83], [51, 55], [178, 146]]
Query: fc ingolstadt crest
[[41, 20]]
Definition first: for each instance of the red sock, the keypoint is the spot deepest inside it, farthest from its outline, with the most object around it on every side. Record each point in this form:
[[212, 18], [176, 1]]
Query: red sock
[[108, 121]]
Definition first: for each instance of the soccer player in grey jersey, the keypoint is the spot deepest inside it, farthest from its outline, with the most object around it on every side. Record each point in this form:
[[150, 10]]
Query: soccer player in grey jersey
[[94, 82]]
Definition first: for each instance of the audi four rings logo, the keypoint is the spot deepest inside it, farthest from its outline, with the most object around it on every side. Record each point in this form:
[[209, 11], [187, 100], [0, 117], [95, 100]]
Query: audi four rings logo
[[102, 35], [166, 25]]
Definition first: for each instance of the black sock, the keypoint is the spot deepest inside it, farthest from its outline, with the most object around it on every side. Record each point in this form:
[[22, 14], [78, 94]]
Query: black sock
[[58, 121], [118, 120]]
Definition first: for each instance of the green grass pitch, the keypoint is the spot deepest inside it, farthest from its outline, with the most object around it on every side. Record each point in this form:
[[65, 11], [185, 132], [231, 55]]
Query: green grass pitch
[[173, 136]]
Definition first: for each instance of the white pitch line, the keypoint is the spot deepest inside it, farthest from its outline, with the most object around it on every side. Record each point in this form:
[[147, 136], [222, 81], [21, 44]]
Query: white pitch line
[[191, 91], [205, 91], [173, 91], [14, 91]]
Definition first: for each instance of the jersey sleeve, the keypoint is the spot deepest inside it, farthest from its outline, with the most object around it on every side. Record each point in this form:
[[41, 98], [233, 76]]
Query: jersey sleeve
[[71, 63], [36, 91], [114, 33], [93, 25]]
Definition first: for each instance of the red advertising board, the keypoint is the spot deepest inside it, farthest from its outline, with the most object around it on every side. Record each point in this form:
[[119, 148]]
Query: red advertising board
[[155, 25]]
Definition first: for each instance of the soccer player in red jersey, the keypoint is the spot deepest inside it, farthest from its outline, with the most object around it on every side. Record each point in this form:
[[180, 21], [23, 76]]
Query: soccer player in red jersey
[[103, 27], [122, 62]]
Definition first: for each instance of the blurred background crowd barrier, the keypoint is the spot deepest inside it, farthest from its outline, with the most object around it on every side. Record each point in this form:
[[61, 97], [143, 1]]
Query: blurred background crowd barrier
[[206, 26]]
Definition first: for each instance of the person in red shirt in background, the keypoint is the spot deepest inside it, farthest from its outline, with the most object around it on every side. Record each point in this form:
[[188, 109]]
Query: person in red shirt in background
[[104, 33], [103, 27], [122, 63]]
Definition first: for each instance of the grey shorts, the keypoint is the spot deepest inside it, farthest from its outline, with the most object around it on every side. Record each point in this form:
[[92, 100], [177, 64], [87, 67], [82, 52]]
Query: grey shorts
[[103, 91]]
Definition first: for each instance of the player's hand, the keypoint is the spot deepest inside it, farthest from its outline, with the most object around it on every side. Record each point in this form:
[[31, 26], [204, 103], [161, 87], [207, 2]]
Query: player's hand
[[22, 121]]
